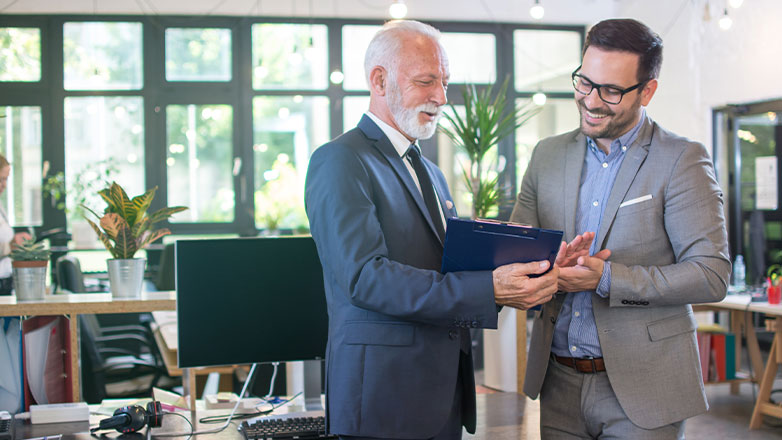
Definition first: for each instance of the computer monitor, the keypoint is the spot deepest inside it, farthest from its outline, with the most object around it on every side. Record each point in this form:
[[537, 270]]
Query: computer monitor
[[249, 300]]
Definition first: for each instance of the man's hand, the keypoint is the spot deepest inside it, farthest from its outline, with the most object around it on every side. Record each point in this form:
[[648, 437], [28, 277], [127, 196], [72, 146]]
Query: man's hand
[[19, 237], [570, 252], [585, 275], [514, 288]]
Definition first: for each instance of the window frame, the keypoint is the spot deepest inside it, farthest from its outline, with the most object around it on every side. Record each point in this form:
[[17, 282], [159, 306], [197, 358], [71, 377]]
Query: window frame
[[49, 94]]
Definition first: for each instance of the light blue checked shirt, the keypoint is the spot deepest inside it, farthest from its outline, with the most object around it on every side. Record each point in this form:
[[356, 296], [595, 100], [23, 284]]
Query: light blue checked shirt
[[575, 332]]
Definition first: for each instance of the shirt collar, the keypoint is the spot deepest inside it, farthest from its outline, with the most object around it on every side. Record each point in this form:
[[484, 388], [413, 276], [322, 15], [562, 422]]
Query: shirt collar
[[398, 140], [624, 140]]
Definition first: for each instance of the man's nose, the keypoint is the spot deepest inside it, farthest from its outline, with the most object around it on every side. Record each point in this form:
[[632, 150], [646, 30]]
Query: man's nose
[[439, 96], [592, 99]]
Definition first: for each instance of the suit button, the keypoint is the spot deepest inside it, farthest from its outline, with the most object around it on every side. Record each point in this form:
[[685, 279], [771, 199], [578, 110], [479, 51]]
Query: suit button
[[624, 301], [453, 334], [644, 303], [476, 324], [552, 319]]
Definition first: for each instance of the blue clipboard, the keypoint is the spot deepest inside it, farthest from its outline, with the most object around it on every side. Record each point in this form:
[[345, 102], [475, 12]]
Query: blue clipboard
[[487, 245]]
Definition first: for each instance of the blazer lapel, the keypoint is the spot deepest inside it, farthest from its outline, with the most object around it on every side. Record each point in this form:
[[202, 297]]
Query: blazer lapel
[[574, 162], [636, 154], [381, 142]]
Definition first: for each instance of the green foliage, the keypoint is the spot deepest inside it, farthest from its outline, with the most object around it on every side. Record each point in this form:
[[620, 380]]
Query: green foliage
[[488, 119], [83, 192], [29, 250], [125, 226], [278, 202]]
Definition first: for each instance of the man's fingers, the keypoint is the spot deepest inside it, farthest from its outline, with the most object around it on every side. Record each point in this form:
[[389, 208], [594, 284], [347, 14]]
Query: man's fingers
[[603, 255]]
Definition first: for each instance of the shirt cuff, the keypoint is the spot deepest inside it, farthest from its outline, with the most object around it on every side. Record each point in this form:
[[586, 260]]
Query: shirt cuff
[[604, 286]]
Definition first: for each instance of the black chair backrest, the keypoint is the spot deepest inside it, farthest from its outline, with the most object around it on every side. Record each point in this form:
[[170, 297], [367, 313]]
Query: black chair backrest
[[69, 274]]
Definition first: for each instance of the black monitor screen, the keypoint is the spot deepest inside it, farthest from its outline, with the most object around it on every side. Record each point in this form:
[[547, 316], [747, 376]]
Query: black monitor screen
[[247, 300]]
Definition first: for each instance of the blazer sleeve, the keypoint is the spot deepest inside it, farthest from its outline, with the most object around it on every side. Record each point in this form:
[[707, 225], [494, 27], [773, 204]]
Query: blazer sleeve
[[339, 194], [695, 225]]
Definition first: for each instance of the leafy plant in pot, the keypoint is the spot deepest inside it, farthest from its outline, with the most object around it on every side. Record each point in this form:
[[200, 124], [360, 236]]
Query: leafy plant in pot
[[124, 228], [29, 261], [488, 119]]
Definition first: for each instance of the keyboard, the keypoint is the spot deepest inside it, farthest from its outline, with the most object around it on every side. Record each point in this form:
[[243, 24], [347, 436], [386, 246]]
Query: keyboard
[[286, 428]]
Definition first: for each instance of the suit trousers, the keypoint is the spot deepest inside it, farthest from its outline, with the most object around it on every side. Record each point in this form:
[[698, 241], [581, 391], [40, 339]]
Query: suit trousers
[[453, 426], [576, 405]]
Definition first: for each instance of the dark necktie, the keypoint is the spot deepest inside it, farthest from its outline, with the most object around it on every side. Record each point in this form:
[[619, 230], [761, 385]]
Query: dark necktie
[[427, 190]]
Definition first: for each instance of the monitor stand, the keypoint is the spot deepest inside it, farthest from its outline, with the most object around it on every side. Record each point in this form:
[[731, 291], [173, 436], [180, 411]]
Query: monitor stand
[[305, 376], [312, 386]]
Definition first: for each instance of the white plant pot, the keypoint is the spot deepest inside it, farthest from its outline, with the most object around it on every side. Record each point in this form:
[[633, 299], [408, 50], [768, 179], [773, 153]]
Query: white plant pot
[[126, 277]]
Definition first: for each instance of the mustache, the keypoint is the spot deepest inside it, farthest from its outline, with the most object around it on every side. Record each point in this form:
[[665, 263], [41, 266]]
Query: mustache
[[430, 108], [597, 111]]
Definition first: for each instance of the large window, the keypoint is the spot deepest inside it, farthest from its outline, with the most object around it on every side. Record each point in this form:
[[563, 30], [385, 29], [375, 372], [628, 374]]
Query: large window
[[20, 143], [223, 113], [198, 161], [20, 54], [196, 54], [102, 56]]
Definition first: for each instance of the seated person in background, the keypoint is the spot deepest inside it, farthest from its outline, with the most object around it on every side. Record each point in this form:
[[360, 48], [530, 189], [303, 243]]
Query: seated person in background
[[7, 236]]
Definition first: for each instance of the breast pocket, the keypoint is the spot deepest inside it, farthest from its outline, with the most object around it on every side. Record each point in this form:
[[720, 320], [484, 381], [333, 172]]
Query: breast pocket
[[637, 223]]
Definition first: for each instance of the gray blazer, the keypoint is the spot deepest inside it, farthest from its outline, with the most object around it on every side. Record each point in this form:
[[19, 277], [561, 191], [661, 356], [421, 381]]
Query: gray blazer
[[395, 322], [668, 251]]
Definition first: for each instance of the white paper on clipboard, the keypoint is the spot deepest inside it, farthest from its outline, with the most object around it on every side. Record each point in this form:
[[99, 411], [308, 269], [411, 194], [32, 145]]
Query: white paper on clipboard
[[766, 196]]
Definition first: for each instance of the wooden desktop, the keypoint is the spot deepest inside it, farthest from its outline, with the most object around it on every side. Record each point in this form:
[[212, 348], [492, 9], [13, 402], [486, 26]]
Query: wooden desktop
[[74, 304]]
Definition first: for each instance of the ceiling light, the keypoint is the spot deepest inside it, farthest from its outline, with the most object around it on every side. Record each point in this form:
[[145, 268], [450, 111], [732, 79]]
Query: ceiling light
[[735, 4], [539, 99], [725, 21], [398, 9], [537, 11]]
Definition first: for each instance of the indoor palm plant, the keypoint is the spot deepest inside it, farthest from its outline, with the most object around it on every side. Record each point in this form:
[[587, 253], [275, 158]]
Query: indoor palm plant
[[29, 261], [487, 120], [124, 228]]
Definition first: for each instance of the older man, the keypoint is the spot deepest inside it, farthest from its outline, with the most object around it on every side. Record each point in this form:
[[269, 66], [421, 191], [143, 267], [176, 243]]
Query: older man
[[399, 363]]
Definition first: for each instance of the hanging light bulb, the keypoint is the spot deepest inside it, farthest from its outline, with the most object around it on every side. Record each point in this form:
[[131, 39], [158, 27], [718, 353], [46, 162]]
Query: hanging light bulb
[[537, 11], [398, 9], [735, 4], [539, 98], [725, 22]]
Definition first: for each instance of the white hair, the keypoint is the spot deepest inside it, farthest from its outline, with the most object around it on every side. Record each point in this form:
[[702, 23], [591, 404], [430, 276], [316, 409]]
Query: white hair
[[385, 45]]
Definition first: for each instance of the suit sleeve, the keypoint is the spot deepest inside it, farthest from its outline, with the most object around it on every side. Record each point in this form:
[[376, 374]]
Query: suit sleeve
[[344, 222], [695, 224]]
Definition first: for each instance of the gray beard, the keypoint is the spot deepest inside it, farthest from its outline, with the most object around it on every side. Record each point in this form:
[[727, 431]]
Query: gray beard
[[407, 118]]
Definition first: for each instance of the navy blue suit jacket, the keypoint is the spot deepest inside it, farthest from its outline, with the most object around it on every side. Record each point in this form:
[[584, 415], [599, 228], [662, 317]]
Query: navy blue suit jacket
[[394, 319]]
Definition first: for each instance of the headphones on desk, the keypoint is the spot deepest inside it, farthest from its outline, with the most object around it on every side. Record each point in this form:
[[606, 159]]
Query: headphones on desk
[[133, 418]]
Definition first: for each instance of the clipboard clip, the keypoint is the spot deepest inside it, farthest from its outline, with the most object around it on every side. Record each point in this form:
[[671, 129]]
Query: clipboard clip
[[500, 227]]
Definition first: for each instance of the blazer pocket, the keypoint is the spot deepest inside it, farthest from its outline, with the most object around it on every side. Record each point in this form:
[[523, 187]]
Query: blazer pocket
[[379, 333], [635, 207], [671, 326]]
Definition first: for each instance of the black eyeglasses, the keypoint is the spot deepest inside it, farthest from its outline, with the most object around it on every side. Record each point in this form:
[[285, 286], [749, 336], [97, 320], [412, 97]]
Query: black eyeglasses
[[609, 94]]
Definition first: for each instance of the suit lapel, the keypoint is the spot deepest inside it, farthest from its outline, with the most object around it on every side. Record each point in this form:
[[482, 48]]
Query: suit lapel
[[574, 162], [381, 142], [636, 154]]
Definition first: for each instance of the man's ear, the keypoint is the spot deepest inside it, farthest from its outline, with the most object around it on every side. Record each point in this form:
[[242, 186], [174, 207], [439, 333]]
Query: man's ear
[[378, 78], [648, 91]]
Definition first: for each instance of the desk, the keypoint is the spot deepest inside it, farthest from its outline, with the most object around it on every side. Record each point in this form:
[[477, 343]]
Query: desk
[[739, 307], [500, 417], [75, 304]]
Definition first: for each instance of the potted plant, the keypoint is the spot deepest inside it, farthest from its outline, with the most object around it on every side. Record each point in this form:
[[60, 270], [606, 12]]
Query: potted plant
[[29, 261], [82, 190], [487, 120], [124, 228]]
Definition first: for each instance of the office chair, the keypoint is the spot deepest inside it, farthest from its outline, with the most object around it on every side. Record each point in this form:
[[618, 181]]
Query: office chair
[[165, 275], [69, 274], [109, 370]]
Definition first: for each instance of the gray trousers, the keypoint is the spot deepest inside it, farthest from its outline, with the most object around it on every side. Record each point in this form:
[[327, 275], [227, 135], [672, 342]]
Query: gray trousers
[[577, 405]]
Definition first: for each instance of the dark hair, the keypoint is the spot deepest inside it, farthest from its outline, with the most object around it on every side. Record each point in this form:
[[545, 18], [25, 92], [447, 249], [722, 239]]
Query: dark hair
[[628, 35]]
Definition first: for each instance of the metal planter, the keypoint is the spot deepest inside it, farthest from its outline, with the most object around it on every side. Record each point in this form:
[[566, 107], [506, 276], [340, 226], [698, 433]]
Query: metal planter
[[126, 277], [29, 280]]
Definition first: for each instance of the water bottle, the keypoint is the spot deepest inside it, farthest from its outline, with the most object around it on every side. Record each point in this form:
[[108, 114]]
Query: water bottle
[[739, 272]]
